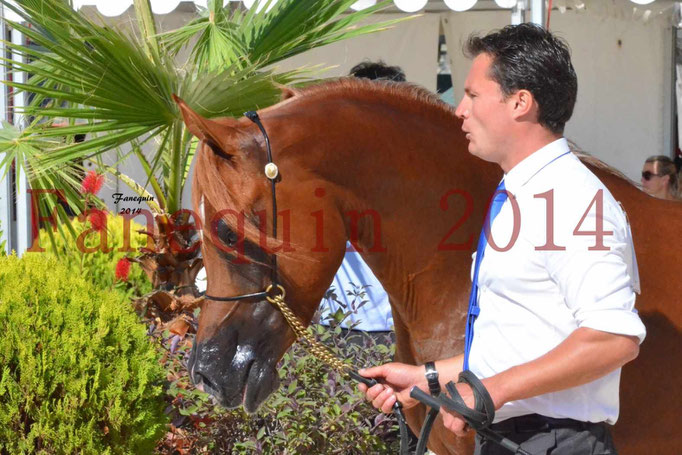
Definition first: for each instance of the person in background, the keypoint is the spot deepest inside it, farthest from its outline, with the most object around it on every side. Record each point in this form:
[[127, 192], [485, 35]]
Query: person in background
[[355, 290], [660, 178], [378, 71]]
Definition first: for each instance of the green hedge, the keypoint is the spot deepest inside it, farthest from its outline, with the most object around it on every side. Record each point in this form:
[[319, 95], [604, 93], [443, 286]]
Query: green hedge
[[78, 372]]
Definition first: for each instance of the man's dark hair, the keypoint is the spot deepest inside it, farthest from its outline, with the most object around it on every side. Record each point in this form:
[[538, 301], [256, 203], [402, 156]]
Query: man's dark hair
[[528, 57], [378, 71]]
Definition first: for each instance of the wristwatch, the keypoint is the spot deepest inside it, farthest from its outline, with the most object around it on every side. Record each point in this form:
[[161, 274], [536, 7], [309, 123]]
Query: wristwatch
[[431, 375]]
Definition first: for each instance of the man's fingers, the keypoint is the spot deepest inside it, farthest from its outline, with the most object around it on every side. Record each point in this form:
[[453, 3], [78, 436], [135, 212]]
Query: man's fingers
[[460, 430], [454, 423], [374, 391], [373, 372], [380, 399], [387, 407]]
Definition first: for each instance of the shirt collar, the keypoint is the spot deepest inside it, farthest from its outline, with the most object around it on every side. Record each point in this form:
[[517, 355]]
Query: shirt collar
[[520, 174]]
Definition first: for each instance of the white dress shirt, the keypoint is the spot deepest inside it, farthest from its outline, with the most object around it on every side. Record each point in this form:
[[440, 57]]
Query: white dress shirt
[[530, 301]]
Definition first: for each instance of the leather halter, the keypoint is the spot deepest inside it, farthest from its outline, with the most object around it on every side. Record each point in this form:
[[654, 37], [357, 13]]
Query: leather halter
[[272, 173]]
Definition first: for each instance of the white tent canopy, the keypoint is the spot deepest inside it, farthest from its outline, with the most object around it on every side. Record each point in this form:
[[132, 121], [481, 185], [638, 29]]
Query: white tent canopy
[[117, 7]]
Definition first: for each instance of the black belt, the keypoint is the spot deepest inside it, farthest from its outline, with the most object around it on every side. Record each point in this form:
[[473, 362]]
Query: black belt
[[535, 423]]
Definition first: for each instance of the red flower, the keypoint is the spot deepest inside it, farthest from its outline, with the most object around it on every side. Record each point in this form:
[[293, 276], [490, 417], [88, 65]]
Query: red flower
[[92, 183], [122, 269], [98, 219]]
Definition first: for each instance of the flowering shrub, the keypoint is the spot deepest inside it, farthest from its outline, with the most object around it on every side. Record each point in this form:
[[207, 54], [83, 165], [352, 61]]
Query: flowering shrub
[[98, 254], [92, 183], [98, 219], [122, 269]]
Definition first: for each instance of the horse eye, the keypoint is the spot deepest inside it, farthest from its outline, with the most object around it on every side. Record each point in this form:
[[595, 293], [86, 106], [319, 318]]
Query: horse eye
[[232, 238]]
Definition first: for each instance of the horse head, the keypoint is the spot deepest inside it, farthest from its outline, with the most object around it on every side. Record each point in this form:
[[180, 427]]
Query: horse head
[[239, 343]]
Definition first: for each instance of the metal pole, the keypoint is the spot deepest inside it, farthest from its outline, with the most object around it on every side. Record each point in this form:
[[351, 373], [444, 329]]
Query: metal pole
[[538, 12], [518, 12], [23, 226], [5, 186]]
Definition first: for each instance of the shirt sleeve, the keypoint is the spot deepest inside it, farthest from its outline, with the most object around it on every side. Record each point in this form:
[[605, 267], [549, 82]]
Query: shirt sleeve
[[597, 283]]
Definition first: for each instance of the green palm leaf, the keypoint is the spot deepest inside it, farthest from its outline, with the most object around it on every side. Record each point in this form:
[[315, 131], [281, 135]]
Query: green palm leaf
[[270, 35]]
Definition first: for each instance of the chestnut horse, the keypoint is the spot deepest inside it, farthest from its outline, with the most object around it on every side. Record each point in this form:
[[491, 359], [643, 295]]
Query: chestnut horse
[[387, 166]]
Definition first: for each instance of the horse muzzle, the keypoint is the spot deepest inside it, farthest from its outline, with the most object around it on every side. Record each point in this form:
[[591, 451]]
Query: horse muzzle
[[233, 373]]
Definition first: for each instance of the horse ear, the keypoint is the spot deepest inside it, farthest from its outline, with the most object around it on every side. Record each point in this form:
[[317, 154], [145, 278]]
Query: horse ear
[[215, 132], [195, 122], [287, 92]]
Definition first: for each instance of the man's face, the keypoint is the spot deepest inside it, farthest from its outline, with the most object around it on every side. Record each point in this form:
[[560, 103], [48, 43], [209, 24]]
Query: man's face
[[485, 113]]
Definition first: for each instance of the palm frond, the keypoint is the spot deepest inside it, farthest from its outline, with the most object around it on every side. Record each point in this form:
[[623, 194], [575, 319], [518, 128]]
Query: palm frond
[[266, 35]]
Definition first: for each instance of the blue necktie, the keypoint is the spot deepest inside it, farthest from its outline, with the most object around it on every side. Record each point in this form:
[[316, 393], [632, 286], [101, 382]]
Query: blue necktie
[[474, 310]]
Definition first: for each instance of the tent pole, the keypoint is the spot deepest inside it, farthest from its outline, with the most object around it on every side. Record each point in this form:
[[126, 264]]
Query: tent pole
[[24, 236], [5, 185], [538, 12]]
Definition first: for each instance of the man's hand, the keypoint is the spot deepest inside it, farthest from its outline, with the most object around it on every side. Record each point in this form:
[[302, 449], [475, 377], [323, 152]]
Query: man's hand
[[396, 380], [453, 421]]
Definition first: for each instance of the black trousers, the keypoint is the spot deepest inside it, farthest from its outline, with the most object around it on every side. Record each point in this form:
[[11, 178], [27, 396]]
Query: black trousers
[[540, 435]]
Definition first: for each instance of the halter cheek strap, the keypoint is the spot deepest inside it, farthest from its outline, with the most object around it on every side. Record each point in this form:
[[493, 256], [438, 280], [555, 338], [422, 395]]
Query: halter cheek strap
[[272, 173]]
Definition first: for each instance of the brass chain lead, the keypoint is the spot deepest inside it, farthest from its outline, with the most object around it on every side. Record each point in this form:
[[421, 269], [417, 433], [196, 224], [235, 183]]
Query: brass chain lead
[[315, 347]]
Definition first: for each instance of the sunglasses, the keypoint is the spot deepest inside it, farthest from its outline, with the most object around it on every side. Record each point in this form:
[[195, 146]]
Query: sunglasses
[[646, 175]]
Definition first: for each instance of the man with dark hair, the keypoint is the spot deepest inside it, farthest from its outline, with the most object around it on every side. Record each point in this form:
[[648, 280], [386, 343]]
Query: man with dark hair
[[551, 319], [378, 71]]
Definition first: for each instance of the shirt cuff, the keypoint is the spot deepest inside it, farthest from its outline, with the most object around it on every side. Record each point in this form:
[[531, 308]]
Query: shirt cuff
[[618, 321]]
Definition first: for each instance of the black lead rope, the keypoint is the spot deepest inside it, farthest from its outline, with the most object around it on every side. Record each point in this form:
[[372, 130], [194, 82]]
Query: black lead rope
[[426, 430], [480, 418]]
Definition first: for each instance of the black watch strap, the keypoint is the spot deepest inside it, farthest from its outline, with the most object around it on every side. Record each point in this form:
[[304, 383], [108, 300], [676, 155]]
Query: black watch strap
[[431, 375]]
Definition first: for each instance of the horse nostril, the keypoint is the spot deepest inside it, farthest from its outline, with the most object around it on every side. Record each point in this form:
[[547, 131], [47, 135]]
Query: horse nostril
[[202, 382]]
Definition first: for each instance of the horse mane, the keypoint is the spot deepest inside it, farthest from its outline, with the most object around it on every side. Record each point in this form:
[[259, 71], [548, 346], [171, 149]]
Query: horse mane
[[404, 94], [596, 163]]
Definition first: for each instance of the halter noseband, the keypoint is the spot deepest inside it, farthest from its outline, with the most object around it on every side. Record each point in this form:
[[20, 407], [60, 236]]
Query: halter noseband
[[271, 172]]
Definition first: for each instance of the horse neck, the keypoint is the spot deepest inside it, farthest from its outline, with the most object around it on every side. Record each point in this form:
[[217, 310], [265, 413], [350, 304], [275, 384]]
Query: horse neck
[[399, 161]]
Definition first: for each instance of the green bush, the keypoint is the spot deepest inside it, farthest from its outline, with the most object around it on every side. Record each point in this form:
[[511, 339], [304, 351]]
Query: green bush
[[78, 372], [99, 265], [3, 243]]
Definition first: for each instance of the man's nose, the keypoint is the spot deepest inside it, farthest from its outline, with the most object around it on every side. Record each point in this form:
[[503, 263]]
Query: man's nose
[[462, 110]]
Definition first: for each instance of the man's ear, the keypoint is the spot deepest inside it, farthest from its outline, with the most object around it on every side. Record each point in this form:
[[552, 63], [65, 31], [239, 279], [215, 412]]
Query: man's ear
[[524, 103], [215, 132]]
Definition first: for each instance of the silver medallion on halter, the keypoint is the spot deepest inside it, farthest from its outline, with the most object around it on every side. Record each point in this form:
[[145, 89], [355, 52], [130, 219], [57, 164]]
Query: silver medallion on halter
[[271, 171]]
